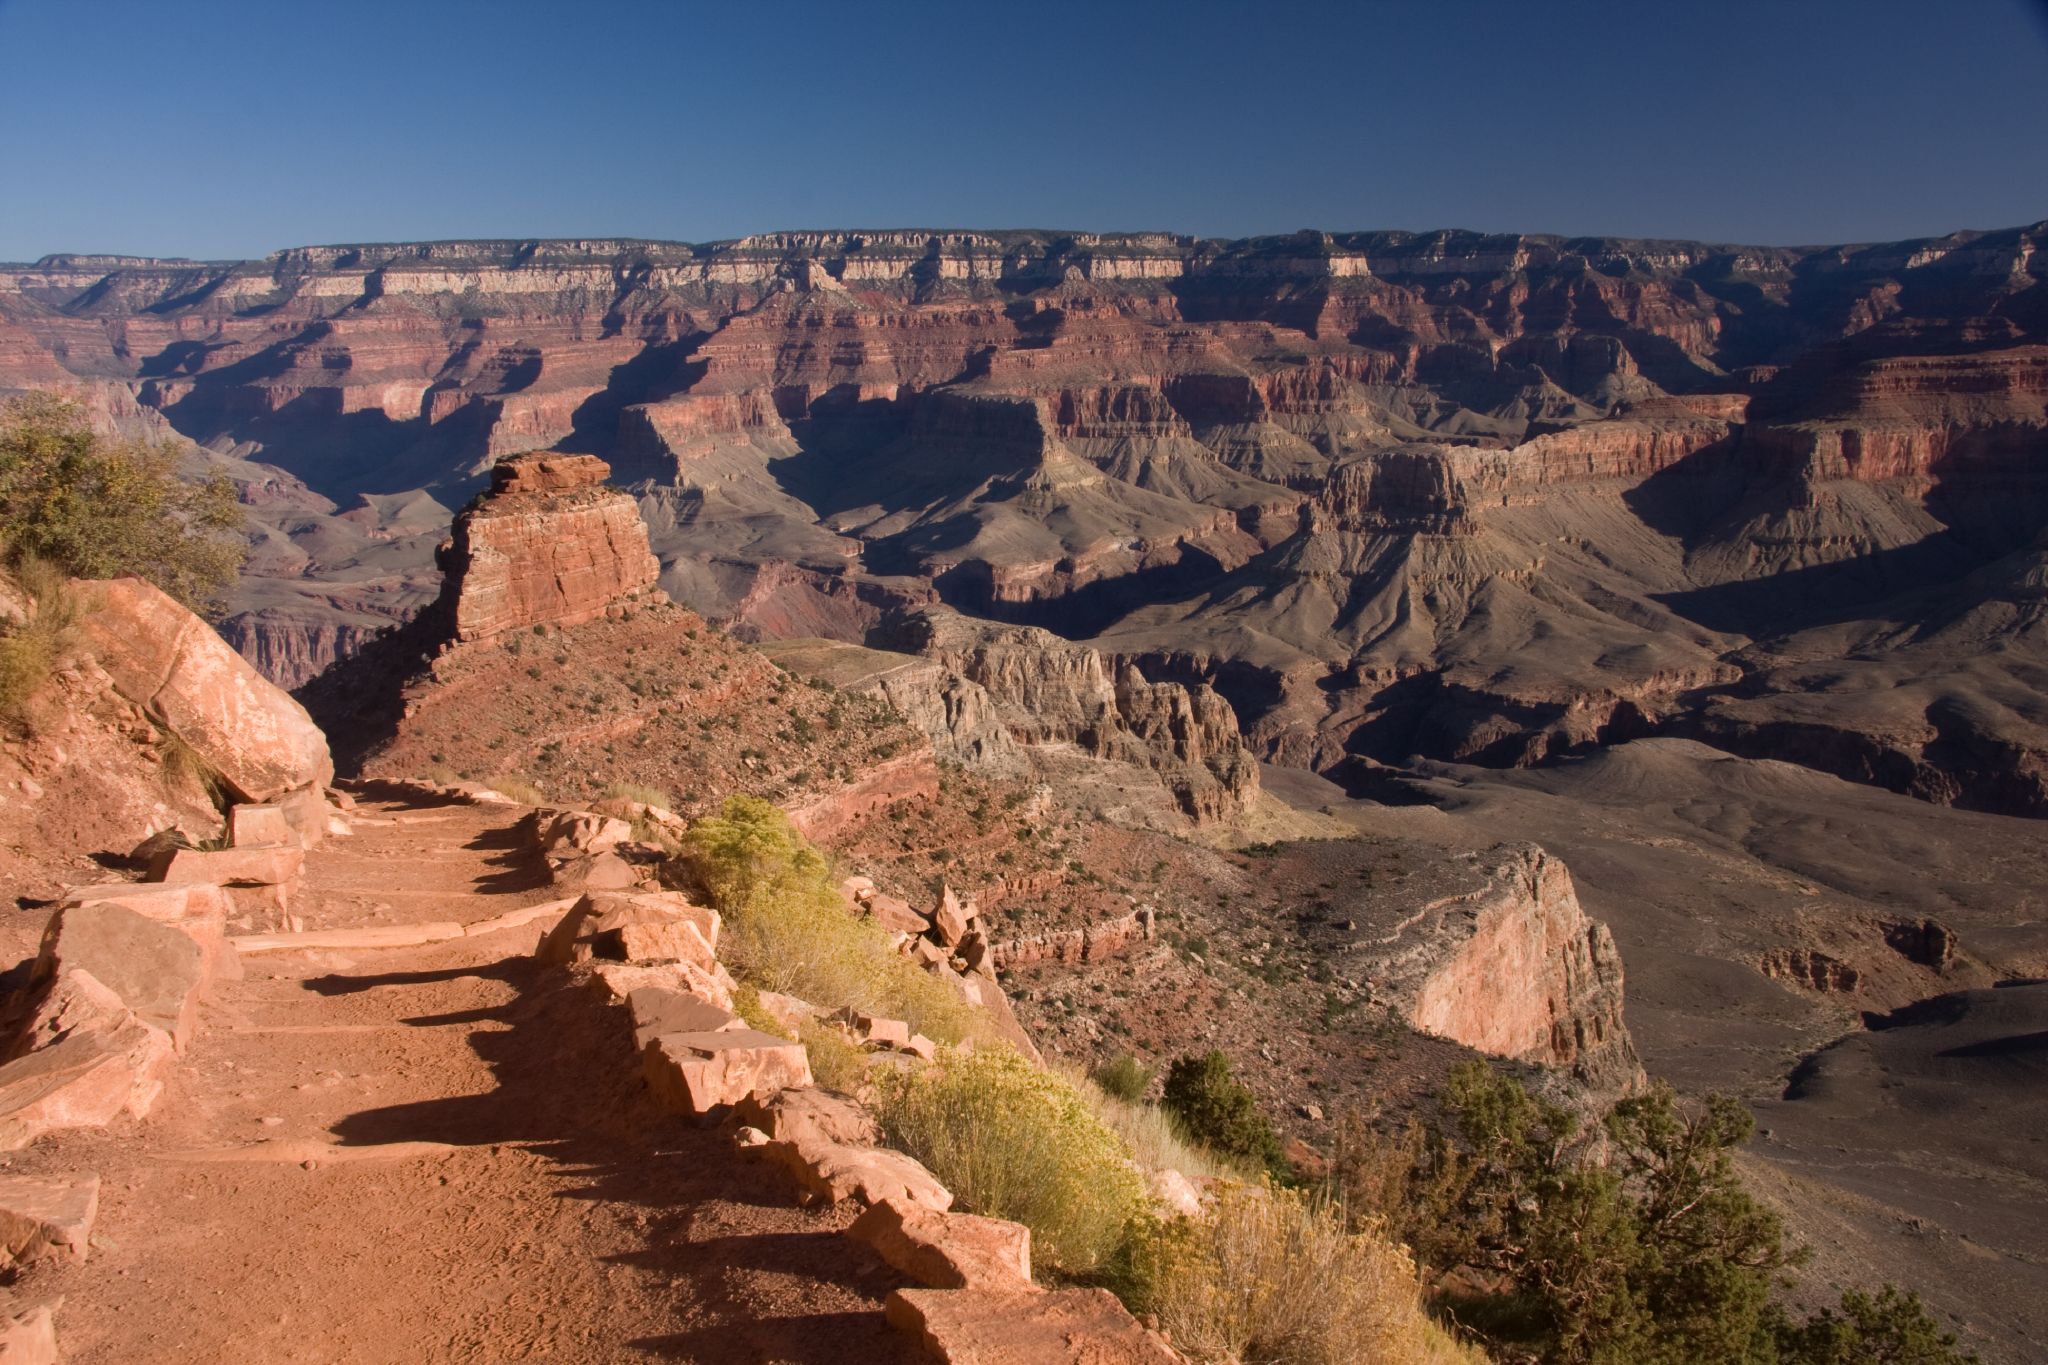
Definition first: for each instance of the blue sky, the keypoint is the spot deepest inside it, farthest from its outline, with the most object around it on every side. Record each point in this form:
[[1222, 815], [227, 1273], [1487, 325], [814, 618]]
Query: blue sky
[[218, 128]]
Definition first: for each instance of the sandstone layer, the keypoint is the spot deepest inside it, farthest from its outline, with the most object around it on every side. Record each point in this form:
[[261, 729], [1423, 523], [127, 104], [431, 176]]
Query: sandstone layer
[[1489, 498]]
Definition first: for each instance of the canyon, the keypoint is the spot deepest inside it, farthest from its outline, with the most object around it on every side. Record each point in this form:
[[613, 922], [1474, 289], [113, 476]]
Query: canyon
[[1252, 633]]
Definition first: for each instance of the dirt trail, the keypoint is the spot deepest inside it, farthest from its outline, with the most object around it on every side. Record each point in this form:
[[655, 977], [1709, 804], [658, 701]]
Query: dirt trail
[[429, 1154]]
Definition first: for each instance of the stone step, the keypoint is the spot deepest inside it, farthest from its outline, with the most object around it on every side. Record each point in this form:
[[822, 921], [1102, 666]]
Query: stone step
[[1025, 1327], [947, 1250], [705, 1074]]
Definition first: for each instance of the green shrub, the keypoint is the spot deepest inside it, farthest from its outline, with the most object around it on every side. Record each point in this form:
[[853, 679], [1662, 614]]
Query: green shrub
[[1658, 1255], [787, 930], [96, 508], [1155, 1138], [1269, 1275], [1219, 1112], [1012, 1140], [1124, 1077]]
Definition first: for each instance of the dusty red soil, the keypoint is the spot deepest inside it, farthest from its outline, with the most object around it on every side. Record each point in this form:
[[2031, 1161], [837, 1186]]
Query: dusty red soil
[[437, 1154]]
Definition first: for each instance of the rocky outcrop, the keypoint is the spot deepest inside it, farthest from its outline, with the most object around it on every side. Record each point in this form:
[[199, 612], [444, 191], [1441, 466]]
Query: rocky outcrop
[[148, 722], [548, 545], [1048, 692], [1513, 966], [1072, 947]]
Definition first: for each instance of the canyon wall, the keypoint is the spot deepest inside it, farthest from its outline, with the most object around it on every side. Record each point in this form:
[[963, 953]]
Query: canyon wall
[[1490, 498]]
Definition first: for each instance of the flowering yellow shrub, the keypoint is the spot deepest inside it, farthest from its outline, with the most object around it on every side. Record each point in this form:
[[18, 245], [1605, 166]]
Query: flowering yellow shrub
[[1012, 1140]]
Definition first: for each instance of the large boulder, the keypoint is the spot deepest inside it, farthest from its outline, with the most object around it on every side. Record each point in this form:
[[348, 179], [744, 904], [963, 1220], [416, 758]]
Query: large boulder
[[947, 1250], [252, 736], [151, 969], [705, 1074]]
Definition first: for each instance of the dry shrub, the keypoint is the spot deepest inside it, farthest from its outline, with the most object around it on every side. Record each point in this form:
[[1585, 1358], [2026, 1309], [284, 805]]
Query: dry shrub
[[518, 788], [788, 930], [837, 1062], [1155, 1138], [1013, 1140], [28, 651], [1271, 1276]]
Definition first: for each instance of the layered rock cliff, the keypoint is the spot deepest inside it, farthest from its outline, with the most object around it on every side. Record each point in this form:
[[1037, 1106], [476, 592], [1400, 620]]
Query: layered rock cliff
[[1514, 967], [549, 545], [1488, 498]]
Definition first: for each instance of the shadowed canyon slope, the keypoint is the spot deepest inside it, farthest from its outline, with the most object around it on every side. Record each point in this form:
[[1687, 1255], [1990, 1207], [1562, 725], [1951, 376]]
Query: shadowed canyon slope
[[1484, 499]]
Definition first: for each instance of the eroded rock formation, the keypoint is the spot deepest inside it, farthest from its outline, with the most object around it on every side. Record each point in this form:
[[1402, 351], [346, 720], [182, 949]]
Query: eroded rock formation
[[550, 544], [1512, 966]]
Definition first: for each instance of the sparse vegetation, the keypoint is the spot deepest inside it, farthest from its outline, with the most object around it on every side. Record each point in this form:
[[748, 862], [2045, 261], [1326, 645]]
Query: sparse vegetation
[[28, 651], [1218, 1111], [1658, 1256], [518, 788], [1270, 1275], [97, 508], [1124, 1077], [1013, 1140], [787, 929]]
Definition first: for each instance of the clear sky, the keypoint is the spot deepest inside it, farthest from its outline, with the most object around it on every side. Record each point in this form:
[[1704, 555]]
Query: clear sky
[[229, 128]]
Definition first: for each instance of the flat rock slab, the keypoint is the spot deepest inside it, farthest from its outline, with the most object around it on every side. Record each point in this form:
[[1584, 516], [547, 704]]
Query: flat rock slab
[[259, 825], [1025, 1327], [29, 1338], [153, 969], [369, 936], [657, 1011], [833, 1172], [948, 1250], [198, 910], [46, 1217], [262, 865], [706, 1073], [86, 1079]]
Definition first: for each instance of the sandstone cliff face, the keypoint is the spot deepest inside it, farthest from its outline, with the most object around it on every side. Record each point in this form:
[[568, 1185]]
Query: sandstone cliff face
[[549, 545], [1514, 967]]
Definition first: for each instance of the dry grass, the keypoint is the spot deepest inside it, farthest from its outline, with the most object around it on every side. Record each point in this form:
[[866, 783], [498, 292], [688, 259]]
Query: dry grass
[[1272, 1276], [1013, 1140], [28, 652], [518, 788], [1153, 1136]]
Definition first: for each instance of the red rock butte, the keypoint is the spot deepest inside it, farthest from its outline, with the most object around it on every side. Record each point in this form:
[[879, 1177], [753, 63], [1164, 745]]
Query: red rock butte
[[550, 544]]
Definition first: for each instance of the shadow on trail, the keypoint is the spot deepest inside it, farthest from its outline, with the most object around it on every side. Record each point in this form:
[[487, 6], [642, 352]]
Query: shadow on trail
[[752, 1276]]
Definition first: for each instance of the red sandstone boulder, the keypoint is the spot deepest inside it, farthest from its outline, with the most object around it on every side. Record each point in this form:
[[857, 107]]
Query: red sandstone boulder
[[198, 910], [653, 926], [29, 1338], [809, 1115], [947, 1250], [148, 968], [248, 732], [86, 1079], [617, 981], [657, 1011], [259, 825], [832, 1172], [42, 1216], [706, 1073]]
